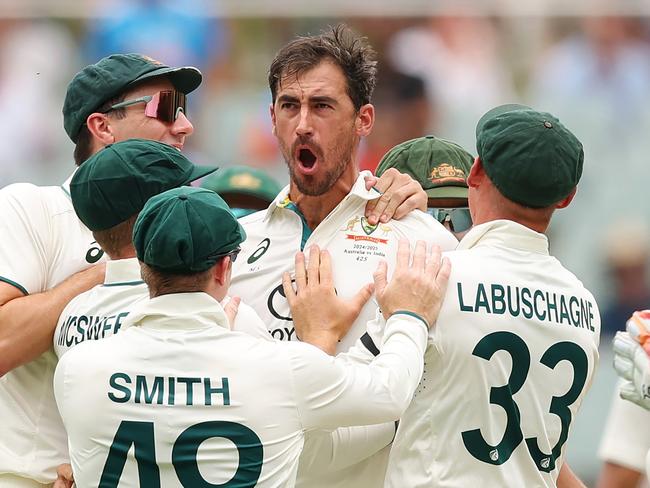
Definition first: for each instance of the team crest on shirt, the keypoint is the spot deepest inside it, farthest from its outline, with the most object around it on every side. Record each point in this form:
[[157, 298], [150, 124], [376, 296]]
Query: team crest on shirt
[[350, 230]]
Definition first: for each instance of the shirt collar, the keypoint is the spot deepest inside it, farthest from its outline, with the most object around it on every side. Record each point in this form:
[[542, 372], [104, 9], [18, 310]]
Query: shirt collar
[[505, 233], [65, 186], [358, 190], [179, 311], [123, 272]]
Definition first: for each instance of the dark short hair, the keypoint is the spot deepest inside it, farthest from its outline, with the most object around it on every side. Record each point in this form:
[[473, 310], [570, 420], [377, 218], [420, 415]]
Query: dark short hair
[[351, 53], [83, 147], [162, 282]]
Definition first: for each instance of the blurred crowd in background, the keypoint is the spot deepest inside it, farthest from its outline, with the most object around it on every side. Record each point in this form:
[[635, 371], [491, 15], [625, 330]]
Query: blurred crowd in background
[[437, 75]]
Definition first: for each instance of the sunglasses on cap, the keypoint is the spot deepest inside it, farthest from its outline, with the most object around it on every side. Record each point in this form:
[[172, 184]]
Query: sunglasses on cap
[[233, 255], [459, 219], [164, 105]]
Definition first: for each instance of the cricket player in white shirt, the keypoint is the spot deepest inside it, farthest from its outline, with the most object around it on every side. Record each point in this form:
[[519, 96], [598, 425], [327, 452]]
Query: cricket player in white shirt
[[516, 344], [180, 396], [47, 256], [321, 88]]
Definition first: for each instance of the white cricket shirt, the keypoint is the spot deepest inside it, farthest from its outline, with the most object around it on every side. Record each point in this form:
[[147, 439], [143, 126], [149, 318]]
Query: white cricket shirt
[[509, 361], [275, 235], [177, 397], [43, 242], [101, 311]]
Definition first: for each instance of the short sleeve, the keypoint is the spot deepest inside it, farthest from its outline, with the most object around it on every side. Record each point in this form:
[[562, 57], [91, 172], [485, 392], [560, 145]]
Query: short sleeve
[[24, 227]]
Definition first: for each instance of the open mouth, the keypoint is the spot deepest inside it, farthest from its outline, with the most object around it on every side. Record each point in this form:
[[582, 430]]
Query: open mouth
[[307, 158]]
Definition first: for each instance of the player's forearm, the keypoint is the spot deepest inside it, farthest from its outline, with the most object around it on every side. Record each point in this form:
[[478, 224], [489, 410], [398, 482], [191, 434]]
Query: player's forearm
[[27, 323], [614, 475], [566, 478]]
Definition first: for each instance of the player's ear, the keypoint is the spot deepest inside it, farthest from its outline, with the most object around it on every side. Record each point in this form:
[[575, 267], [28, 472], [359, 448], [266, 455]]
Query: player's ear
[[476, 173], [221, 271], [272, 112], [365, 120], [100, 128], [565, 203]]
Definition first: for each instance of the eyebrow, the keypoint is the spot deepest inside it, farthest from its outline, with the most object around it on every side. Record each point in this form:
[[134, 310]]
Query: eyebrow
[[314, 99], [323, 99], [288, 98]]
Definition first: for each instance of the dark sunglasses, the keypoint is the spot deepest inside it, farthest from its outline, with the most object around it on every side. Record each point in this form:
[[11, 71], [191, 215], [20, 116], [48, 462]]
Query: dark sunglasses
[[164, 105], [459, 219], [233, 255]]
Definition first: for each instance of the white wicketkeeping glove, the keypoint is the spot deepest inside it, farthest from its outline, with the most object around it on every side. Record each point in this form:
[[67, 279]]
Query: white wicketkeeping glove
[[633, 365]]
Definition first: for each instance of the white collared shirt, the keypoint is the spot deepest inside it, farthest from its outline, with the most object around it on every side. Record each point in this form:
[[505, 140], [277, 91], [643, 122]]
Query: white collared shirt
[[43, 242], [275, 235], [512, 315], [177, 383]]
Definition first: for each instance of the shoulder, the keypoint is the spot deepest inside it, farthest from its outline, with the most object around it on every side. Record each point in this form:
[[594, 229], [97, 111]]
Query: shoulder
[[27, 198], [254, 220], [80, 302], [23, 194], [418, 225]]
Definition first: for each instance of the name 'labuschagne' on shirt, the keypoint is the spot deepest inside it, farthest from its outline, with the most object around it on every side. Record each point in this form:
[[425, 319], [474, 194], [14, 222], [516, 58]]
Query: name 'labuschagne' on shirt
[[168, 390], [519, 301]]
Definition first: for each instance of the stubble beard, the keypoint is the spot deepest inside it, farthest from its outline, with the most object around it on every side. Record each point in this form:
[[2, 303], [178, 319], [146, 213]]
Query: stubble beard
[[315, 186]]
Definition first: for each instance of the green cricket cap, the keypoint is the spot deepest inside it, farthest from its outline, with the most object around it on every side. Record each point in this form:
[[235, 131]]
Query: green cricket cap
[[440, 166], [186, 230], [242, 180], [528, 155], [115, 183], [112, 75]]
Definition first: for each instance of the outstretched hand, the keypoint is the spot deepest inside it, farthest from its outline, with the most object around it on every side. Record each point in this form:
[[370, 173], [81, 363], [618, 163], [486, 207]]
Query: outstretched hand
[[320, 316]]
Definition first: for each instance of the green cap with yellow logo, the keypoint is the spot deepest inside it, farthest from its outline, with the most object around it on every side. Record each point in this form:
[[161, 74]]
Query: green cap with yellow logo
[[529, 156], [440, 166], [243, 180], [186, 230], [115, 183], [110, 76]]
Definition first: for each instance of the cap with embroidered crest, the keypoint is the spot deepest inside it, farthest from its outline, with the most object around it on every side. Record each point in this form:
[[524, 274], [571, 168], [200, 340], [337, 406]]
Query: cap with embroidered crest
[[440, 166]]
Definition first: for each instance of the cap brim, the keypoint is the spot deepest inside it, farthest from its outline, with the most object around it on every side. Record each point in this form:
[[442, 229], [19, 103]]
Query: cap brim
[[200, 171], [496, 111], [448, 192], [186, 79]]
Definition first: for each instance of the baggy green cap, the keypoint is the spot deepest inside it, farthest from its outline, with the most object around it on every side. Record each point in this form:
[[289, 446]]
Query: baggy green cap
[[109, 77], [115, 183], [186, 230], [529, 156], [440, 166], [243, 180]]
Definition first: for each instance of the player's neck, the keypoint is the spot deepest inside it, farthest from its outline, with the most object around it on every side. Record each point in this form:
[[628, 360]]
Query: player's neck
[[316, 208]]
